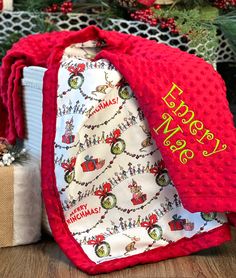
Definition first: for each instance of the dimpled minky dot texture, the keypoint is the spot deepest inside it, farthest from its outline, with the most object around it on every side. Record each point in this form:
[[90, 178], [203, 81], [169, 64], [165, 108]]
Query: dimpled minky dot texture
[[184, 102]]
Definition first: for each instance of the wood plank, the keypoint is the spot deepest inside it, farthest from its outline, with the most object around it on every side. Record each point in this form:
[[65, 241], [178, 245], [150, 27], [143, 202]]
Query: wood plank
[[45, 259]]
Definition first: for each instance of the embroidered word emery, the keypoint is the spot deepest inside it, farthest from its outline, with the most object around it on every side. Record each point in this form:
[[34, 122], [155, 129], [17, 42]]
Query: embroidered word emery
[[201, 134]]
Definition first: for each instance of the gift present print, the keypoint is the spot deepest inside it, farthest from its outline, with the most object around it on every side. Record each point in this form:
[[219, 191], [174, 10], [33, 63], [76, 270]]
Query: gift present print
[[91, 164], [139, 199], [138, 196], [68, 139], [188, 226], [177, 223]]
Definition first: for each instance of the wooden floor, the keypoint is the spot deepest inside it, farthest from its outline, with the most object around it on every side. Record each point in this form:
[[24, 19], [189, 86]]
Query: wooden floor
[[45, 259]]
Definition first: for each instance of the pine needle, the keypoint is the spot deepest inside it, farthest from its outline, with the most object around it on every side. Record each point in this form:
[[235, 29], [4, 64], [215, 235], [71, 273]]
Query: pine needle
[[227, 24]]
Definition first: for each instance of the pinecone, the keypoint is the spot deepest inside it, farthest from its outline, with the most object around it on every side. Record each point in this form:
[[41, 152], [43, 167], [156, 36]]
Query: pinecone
[[127, 3]]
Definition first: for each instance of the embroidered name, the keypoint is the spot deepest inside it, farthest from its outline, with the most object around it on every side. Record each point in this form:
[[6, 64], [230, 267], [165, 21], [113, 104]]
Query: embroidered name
[[196, 128]]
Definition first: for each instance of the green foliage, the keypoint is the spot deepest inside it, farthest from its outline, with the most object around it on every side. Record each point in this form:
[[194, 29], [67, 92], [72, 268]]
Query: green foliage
[[198, 25], [227, 24], [43, 24], [190, 4], [105, 9], [34, 5], [29, 5], [7, 43], [195, 18]]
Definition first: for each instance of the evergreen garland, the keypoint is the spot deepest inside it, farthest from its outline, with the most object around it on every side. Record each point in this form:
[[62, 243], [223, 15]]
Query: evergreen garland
[[41, 25], [104, 9], [227, 24], [197, 24], [7, 43], [34, 5], [190, 4], [196, 19]]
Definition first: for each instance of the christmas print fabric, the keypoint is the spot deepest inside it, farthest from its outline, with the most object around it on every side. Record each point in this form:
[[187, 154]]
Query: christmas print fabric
[[117, 197]]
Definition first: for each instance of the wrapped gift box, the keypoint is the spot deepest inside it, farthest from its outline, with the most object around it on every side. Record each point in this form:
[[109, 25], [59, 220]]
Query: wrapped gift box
[[140, 200], [68, 139], [189, 226], [90, 164], [177, 223], [20, 204]]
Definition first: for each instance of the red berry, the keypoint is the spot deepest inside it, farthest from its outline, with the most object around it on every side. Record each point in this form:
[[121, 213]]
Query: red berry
[[157, 7], [224, 4]]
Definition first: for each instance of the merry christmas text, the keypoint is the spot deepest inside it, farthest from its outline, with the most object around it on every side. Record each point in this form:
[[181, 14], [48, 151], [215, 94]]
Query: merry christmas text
[[81, 212], [104, 105], [201, 134]]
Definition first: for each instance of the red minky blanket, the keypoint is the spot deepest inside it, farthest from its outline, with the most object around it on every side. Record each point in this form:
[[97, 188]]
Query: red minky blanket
[[182, 98]]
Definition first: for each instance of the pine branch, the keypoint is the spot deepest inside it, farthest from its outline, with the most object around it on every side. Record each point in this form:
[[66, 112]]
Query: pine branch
[[42, 24], [29, 5], [198, 26], [190, 4], [34, 5], [104, 9], [227, 24], [7, 43]]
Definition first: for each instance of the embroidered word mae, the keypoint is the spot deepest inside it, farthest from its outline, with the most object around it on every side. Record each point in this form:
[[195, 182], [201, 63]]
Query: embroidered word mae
[[201, 134]]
